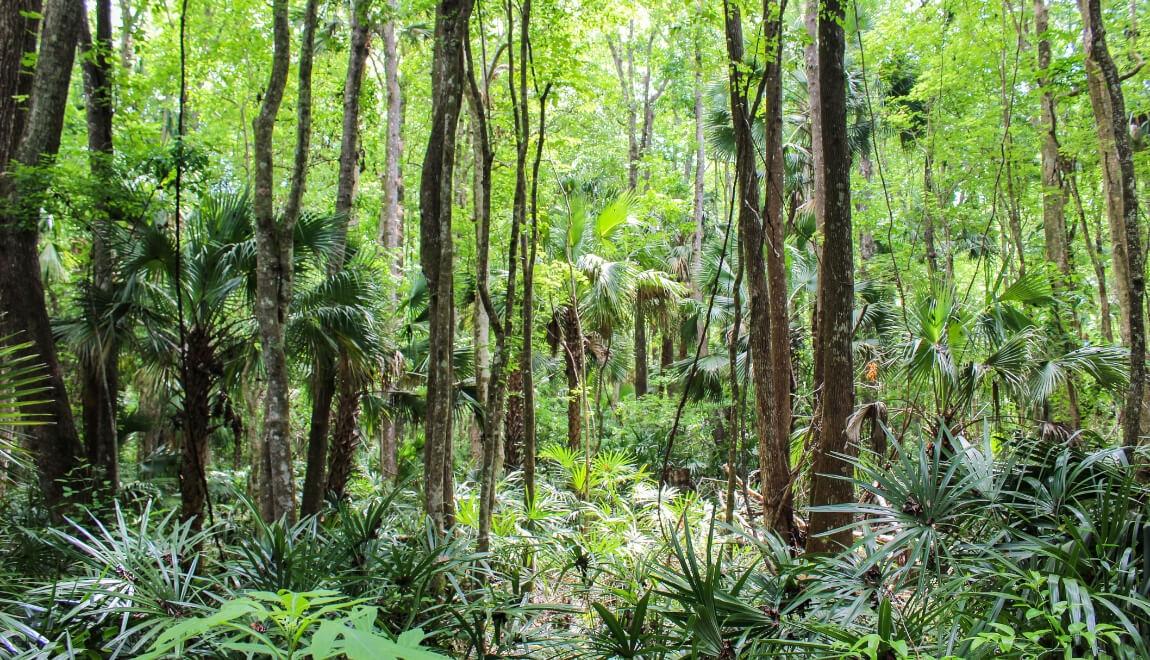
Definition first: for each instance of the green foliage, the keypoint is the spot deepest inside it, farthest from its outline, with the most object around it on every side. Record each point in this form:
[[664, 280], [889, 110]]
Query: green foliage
[[319, 624]]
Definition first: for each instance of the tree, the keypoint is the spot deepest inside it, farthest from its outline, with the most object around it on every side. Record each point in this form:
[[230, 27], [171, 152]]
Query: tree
[[1117, 161], [436, 252], [99, 368], [830, 483], [274, 256], [30, 142], [745, 99], [324, 386], [391, 214]]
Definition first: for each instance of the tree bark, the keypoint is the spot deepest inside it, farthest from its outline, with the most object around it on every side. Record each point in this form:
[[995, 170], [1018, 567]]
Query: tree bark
[[778, 497], [324, 386], [1093, 243], [199, 367], [698, 207], [99, 370], [774, 466], [436, 253], [391, 221], [274, 260], [1117, 159], [31, 139], [526, 355], [345, 438], [829, 484]]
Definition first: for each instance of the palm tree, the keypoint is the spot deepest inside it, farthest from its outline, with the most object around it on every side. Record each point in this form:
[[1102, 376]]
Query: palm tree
[[604, 293], [189, 302]]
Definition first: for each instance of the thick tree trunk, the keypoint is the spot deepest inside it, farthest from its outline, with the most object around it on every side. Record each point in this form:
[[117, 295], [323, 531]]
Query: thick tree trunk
[[31, 138], [322, 396], [99, 371], [345, 438], [199, 367], [436, 253], [324, 386], [1117, 160], [836, 280]]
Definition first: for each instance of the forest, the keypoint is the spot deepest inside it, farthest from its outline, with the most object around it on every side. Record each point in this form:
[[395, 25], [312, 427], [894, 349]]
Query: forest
[[574, 329]]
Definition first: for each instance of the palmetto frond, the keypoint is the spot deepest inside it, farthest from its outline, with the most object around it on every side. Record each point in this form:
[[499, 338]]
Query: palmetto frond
[[609, 297]]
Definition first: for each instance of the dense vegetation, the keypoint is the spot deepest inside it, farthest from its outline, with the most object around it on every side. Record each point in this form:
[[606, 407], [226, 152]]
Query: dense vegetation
[[574, 329]]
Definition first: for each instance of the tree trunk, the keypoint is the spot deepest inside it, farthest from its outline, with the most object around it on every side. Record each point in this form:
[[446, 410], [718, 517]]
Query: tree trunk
[[1053, 187], [698, 208], [391, 222], [774, 467], [641, 386], [526, 355], [199, 367], [1057, 251], [99, 371], [1117, 160], [324, 386], [274, 261], [829, 484], [929, 197], [778, 497], [322, 396], [31, 138], [818, 174], [345, 439], [436, 252], [1093, 242], [571, 338]]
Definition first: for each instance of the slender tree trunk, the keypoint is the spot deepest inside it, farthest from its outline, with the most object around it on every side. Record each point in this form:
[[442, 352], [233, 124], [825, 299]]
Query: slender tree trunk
[[436, 253], [490, 389], [571, 338], [698, 208], [830, 473], [99, 371], [1118, 180], [1093, 242], [526, 355], [929, 195], [774, 466], [641, 386], [324, 386], [778, 497], [1054, 188], [31, 138], [818, 173], [391, 222], [274, 258]]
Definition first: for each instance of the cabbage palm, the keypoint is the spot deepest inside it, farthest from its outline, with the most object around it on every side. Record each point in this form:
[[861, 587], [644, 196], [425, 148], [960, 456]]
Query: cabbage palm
[[605, 292], [964, 354], [190, 302]]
